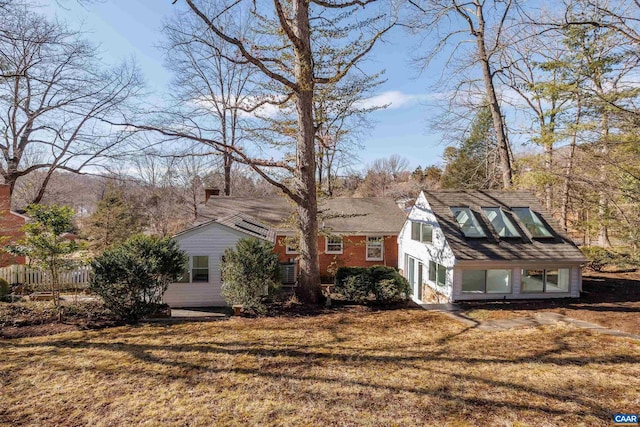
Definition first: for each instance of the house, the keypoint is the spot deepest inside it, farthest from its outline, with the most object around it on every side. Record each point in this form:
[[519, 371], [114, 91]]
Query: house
[[205, 243], [353, 232], [11, 224], [476, 245]]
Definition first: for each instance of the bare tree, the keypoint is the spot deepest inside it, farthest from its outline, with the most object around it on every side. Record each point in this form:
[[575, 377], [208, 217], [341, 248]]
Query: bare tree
[[208, 89], [485, 22], [284, 51], [54, 96]]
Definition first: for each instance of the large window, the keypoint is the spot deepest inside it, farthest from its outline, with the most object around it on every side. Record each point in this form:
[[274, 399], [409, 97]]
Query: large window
[[532, 222], [333, 245], [375, 248], [501, 222], [486, 281], [538, 280], [200, 269], [421, 232], [437, 273], [468, 222]]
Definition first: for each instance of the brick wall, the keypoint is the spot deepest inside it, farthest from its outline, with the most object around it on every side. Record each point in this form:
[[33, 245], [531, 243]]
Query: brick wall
[[353, 254], [10, 227]]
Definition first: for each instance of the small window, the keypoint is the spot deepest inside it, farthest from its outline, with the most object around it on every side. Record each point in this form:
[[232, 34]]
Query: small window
[[468, 222], [421, 232], [432, 271], [290, 249], [442, 275], [532, 222], [200, 269], [375, 248], [501, 222], [334, 245], [437, 273]]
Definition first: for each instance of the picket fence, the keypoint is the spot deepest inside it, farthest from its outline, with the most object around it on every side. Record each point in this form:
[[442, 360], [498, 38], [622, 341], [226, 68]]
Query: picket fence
[[36, 279]]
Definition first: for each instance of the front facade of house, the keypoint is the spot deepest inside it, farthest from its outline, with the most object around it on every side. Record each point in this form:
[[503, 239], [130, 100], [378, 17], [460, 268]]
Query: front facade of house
[[11, 224], [486, 245], [355, 232]]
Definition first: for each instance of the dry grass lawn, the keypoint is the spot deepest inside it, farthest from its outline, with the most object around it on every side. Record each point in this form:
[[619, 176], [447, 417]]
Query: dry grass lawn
[[403, 367]]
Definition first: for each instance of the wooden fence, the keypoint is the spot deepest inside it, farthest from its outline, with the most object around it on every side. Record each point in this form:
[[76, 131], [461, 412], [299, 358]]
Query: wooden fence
[[40, 280]]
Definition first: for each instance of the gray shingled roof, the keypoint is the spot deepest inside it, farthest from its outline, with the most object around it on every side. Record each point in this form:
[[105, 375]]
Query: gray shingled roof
[[239, 222], [558, 248], [340, 215]]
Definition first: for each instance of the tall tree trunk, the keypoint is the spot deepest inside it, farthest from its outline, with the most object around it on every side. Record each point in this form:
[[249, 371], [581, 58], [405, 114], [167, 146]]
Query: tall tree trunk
[[494, 104], [307, 209], [568, 173], [227, 173], [603, 200]]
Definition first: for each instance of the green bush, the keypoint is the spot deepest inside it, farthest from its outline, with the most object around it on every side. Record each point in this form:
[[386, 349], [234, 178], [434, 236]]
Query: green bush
[[132, 277], [356, 287], [390, 286], [250, 272], [359, 284], [5, 290]]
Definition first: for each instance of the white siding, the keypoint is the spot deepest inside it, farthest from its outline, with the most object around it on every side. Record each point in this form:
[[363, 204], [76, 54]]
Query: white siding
[[575, 280], [438, 250], [210, 240]]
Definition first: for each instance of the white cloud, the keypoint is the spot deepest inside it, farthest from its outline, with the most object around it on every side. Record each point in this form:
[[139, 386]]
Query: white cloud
[[396, 99]]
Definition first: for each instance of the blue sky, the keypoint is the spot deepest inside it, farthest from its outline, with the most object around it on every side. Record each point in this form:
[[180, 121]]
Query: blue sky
[[131, 28]]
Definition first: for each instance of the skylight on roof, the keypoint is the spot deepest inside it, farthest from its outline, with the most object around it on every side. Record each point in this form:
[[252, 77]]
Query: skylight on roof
[[501, 222], [533, 222], [468, 223]]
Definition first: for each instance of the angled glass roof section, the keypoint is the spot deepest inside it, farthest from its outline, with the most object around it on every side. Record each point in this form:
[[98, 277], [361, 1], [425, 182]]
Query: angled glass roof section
[[468, 222], [501, 222], [532, 222]]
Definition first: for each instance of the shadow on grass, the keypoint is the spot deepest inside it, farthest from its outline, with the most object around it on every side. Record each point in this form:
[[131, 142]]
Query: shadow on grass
[[299, 357]]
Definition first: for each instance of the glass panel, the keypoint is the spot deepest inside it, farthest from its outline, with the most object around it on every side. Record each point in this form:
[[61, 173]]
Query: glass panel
[[419, 281], [412, 274], [334, 244], [498, 281], [415, 231], [473, 280], [442, 275], [533, 223], [532, 280], [558, 280], [374, 248], [200, 270], [468, 223], [503, 225], [432, 271], [427, 233]]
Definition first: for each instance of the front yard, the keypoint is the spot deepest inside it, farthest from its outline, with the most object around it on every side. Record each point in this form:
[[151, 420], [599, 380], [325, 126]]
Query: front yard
[[347, 367]]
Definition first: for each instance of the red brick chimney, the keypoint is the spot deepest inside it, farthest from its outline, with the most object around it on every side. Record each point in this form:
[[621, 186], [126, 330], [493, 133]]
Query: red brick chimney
[[5, 198], [208, 192]]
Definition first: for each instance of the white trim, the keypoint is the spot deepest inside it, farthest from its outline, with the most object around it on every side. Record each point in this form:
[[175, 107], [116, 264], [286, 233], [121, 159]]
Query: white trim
[[290, 251], [326, 245], [366, 254]]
